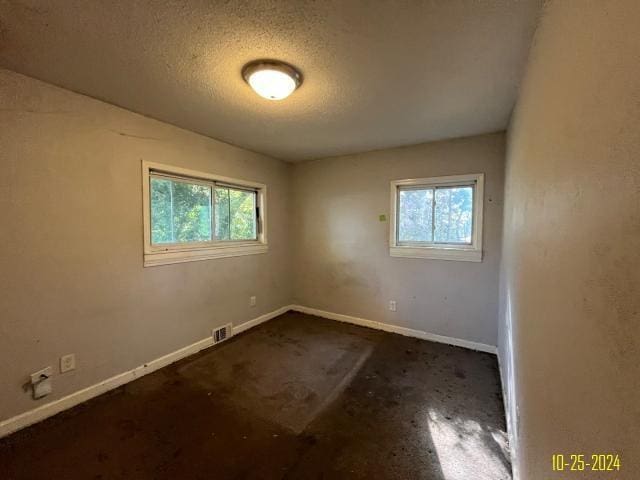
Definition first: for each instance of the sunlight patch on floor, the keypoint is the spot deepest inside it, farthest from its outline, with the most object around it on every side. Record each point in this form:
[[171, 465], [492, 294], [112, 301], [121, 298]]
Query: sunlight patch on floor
[[465, 450]]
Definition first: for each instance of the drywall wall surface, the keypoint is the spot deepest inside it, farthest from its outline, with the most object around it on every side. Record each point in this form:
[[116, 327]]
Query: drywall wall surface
[[71, 274], [571, 262], [342, 262]]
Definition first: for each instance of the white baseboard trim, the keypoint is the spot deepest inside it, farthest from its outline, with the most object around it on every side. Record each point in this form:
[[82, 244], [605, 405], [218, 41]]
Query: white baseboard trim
[[261, 319], [408, 332], [49, 409], [52, 408], [510, 413]]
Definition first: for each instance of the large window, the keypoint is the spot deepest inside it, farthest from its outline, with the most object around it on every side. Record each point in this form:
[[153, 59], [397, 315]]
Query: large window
[[197, 216], [438, 217]]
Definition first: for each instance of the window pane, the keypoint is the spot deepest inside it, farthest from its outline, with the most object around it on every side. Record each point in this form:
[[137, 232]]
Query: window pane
[[415, 215], [180, 212], [235, 214], [222, 213], [454, 215], [161, 228], [242, 214]]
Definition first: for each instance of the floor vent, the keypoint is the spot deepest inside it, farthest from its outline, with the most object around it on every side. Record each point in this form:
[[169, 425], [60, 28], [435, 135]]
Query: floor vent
[[222, 333]]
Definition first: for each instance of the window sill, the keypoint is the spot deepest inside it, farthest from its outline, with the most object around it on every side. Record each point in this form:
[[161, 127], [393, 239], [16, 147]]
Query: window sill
[[458, 254], [168, 257]]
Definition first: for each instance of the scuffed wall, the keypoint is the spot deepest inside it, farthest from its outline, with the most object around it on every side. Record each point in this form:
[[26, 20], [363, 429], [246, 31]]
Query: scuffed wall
[[342, 262], [570, 336], [71, 274]]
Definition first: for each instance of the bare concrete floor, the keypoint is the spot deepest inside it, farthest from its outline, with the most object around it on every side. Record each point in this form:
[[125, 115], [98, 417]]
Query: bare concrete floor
[[296, 398]]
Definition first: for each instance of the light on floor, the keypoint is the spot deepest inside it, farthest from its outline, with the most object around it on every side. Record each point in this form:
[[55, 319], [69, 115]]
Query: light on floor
[[467, 450]]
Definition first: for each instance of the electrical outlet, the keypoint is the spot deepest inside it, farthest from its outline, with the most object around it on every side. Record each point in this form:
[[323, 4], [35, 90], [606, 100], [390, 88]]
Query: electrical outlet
[[392, 305], [67, 363], [252, 301]]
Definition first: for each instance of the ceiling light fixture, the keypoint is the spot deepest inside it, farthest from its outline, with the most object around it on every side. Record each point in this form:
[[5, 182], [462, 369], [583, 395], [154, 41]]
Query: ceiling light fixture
[[272, 79]]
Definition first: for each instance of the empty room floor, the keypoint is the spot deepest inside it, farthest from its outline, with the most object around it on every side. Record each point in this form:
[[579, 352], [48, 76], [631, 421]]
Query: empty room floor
[[298, 397]]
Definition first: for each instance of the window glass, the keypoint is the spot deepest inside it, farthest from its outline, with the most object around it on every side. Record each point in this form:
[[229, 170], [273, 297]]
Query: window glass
[[180, 211], [435, 214], [453, 215], [415, 215], [242, 208], [235, 214], [222, 213]]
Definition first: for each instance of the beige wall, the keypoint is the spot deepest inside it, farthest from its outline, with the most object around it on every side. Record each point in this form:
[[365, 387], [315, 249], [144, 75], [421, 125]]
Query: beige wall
[[71, 275], [571, 263], [72, 281], [342, 261]]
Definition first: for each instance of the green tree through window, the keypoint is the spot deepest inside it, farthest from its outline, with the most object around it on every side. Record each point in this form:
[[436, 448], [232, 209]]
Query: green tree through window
[[235, 214], [436, 215], [181, 212]]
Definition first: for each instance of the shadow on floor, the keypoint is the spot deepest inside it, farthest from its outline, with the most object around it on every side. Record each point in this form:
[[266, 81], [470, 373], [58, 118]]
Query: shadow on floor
[[298, 397]]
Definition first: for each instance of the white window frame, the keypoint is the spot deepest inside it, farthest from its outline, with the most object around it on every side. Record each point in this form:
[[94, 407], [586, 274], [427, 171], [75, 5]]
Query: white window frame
[[440, 251], [164, 254]]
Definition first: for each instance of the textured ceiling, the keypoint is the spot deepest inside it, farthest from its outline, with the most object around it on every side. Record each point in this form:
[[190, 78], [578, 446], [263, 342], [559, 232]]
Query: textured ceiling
[[377, 73]]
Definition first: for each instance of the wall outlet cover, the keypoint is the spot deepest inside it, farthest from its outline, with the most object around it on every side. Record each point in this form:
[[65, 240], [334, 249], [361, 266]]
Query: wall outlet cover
[[67, 363]]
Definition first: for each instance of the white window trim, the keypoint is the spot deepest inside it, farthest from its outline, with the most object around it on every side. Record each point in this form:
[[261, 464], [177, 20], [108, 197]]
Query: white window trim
[[175, 253], [467, 253]]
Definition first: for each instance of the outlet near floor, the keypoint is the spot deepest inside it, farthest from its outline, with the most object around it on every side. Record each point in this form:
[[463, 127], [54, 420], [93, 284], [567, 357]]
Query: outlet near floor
[[392, 305], [252, 301], [67, 363]]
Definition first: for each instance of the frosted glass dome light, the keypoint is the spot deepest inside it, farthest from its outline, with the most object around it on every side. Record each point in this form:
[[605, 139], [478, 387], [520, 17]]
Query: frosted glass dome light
[[272, 80]]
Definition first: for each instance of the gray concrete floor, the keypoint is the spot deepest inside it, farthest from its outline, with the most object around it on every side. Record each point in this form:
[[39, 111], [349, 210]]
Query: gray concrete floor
[[298, 397]]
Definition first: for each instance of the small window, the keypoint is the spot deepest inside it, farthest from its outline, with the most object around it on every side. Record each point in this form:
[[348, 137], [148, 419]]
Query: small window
[[438, 218], [198, 216]]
